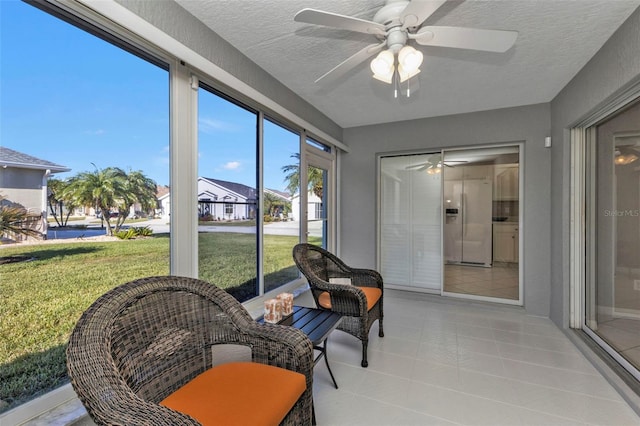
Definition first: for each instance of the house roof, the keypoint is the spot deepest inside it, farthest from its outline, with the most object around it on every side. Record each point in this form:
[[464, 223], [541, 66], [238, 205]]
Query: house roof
[[240, 189], [161, 191], [283, 195], [12, 158]]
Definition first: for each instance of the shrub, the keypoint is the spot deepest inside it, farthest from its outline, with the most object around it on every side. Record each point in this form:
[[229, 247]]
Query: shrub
[[127, 234], [143, 231], [207, 218], [134, 232]]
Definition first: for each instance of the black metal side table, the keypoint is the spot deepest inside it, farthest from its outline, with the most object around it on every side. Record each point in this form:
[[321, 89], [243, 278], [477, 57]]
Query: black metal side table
[[317, 324]]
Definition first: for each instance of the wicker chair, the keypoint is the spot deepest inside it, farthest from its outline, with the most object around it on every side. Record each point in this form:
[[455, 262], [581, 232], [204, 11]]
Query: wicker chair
[[360, 303], [143, 340]]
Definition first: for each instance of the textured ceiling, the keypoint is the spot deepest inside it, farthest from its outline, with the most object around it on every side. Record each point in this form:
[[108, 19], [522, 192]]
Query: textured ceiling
[[556, 39]]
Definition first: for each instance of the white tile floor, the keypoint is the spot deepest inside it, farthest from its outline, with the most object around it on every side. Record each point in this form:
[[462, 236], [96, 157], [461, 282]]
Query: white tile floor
[[500, 280], [449, 362], [444, 361]]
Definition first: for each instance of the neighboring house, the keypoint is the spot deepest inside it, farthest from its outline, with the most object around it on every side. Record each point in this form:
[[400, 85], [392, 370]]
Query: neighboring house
[[314, 206], [163, 207], [283, 204], [224, 200], [23, 183]]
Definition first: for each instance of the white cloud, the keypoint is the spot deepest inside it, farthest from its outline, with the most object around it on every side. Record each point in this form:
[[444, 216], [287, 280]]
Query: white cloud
[[95, 132], [231, 165], [208, 125]]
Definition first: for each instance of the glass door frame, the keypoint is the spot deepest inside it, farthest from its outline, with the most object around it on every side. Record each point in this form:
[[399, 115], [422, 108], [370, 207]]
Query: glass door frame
[[582, 223], [325, 160], [442, 151]]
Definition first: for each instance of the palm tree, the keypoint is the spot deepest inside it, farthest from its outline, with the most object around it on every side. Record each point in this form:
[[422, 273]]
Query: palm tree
[[138, 189], [103, 189], [58, 199], [315, 177], [12, 219]]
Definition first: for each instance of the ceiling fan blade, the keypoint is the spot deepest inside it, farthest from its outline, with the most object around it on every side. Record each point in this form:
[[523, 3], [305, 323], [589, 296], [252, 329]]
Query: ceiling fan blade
[[417, 11], [346, 65], [466, 38], [328, 19], [416, 166]]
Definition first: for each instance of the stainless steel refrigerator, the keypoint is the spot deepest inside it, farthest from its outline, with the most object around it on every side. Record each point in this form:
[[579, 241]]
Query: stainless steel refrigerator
[[467, 230]]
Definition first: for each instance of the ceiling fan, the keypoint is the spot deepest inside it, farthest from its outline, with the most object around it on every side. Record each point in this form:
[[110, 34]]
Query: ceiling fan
[[394, 25], [433, 164]]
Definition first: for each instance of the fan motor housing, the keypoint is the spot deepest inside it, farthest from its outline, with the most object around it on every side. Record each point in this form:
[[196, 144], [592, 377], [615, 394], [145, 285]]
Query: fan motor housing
[[396, 39]]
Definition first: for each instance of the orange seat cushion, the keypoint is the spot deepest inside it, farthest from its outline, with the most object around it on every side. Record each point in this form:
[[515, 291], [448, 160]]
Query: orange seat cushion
[[239, 393], [372, 294]]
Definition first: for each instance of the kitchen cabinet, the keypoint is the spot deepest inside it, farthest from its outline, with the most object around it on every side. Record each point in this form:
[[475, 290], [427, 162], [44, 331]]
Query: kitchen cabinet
[[505, 242], [506, 182]]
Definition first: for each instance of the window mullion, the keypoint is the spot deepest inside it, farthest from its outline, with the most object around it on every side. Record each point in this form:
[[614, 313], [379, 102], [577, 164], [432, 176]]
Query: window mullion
[[184, 169]]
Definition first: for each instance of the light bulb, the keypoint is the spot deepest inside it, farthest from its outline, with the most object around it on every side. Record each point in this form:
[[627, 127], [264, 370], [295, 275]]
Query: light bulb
[[405, 75], [383, 64], [410, 59]]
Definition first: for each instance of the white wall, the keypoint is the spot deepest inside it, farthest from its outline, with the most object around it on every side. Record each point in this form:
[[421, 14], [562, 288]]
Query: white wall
[[529, 124]]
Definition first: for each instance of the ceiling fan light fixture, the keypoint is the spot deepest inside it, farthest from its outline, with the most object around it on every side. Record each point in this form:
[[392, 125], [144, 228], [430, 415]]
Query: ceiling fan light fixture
[[387, 78], [405, 75], [410, 59], [434, 170], [624, 159], [383, 65]]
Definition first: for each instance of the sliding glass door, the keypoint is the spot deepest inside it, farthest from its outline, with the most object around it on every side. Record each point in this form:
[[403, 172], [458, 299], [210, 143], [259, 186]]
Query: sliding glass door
[[613, 235], [410, 221], [449, 223]]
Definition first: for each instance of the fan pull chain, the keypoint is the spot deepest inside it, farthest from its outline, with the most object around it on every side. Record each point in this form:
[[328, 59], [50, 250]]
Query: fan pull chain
[[396, 84]]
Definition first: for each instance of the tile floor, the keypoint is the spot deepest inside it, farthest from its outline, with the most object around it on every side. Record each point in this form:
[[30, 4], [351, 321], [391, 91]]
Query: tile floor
[[501, 280], [623, 334], [447, 362], [620, 326], [452, 362]]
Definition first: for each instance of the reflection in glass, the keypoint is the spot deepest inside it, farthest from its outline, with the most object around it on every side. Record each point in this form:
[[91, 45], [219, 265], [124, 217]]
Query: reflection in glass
[[481, 222], [410, 220], [613, 283]]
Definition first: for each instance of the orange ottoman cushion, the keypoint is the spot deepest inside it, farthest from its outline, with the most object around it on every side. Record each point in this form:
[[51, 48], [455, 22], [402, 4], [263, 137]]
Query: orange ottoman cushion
[[239, 393], [372, 294]]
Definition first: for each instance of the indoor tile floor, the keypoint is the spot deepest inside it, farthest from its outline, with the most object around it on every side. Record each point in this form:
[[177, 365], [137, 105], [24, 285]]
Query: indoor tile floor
[[620, 325], [500, 280], [445, 361]]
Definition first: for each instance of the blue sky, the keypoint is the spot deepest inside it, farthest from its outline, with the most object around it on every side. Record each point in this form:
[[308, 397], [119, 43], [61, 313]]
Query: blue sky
[[69, 97]]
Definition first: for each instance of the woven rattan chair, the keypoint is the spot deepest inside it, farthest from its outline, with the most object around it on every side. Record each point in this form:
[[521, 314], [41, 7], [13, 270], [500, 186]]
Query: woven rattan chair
[[144, 340], [360, 303]]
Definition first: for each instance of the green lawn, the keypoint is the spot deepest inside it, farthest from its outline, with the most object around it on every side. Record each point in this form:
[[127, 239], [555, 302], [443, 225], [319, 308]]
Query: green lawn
[[42, 299]]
